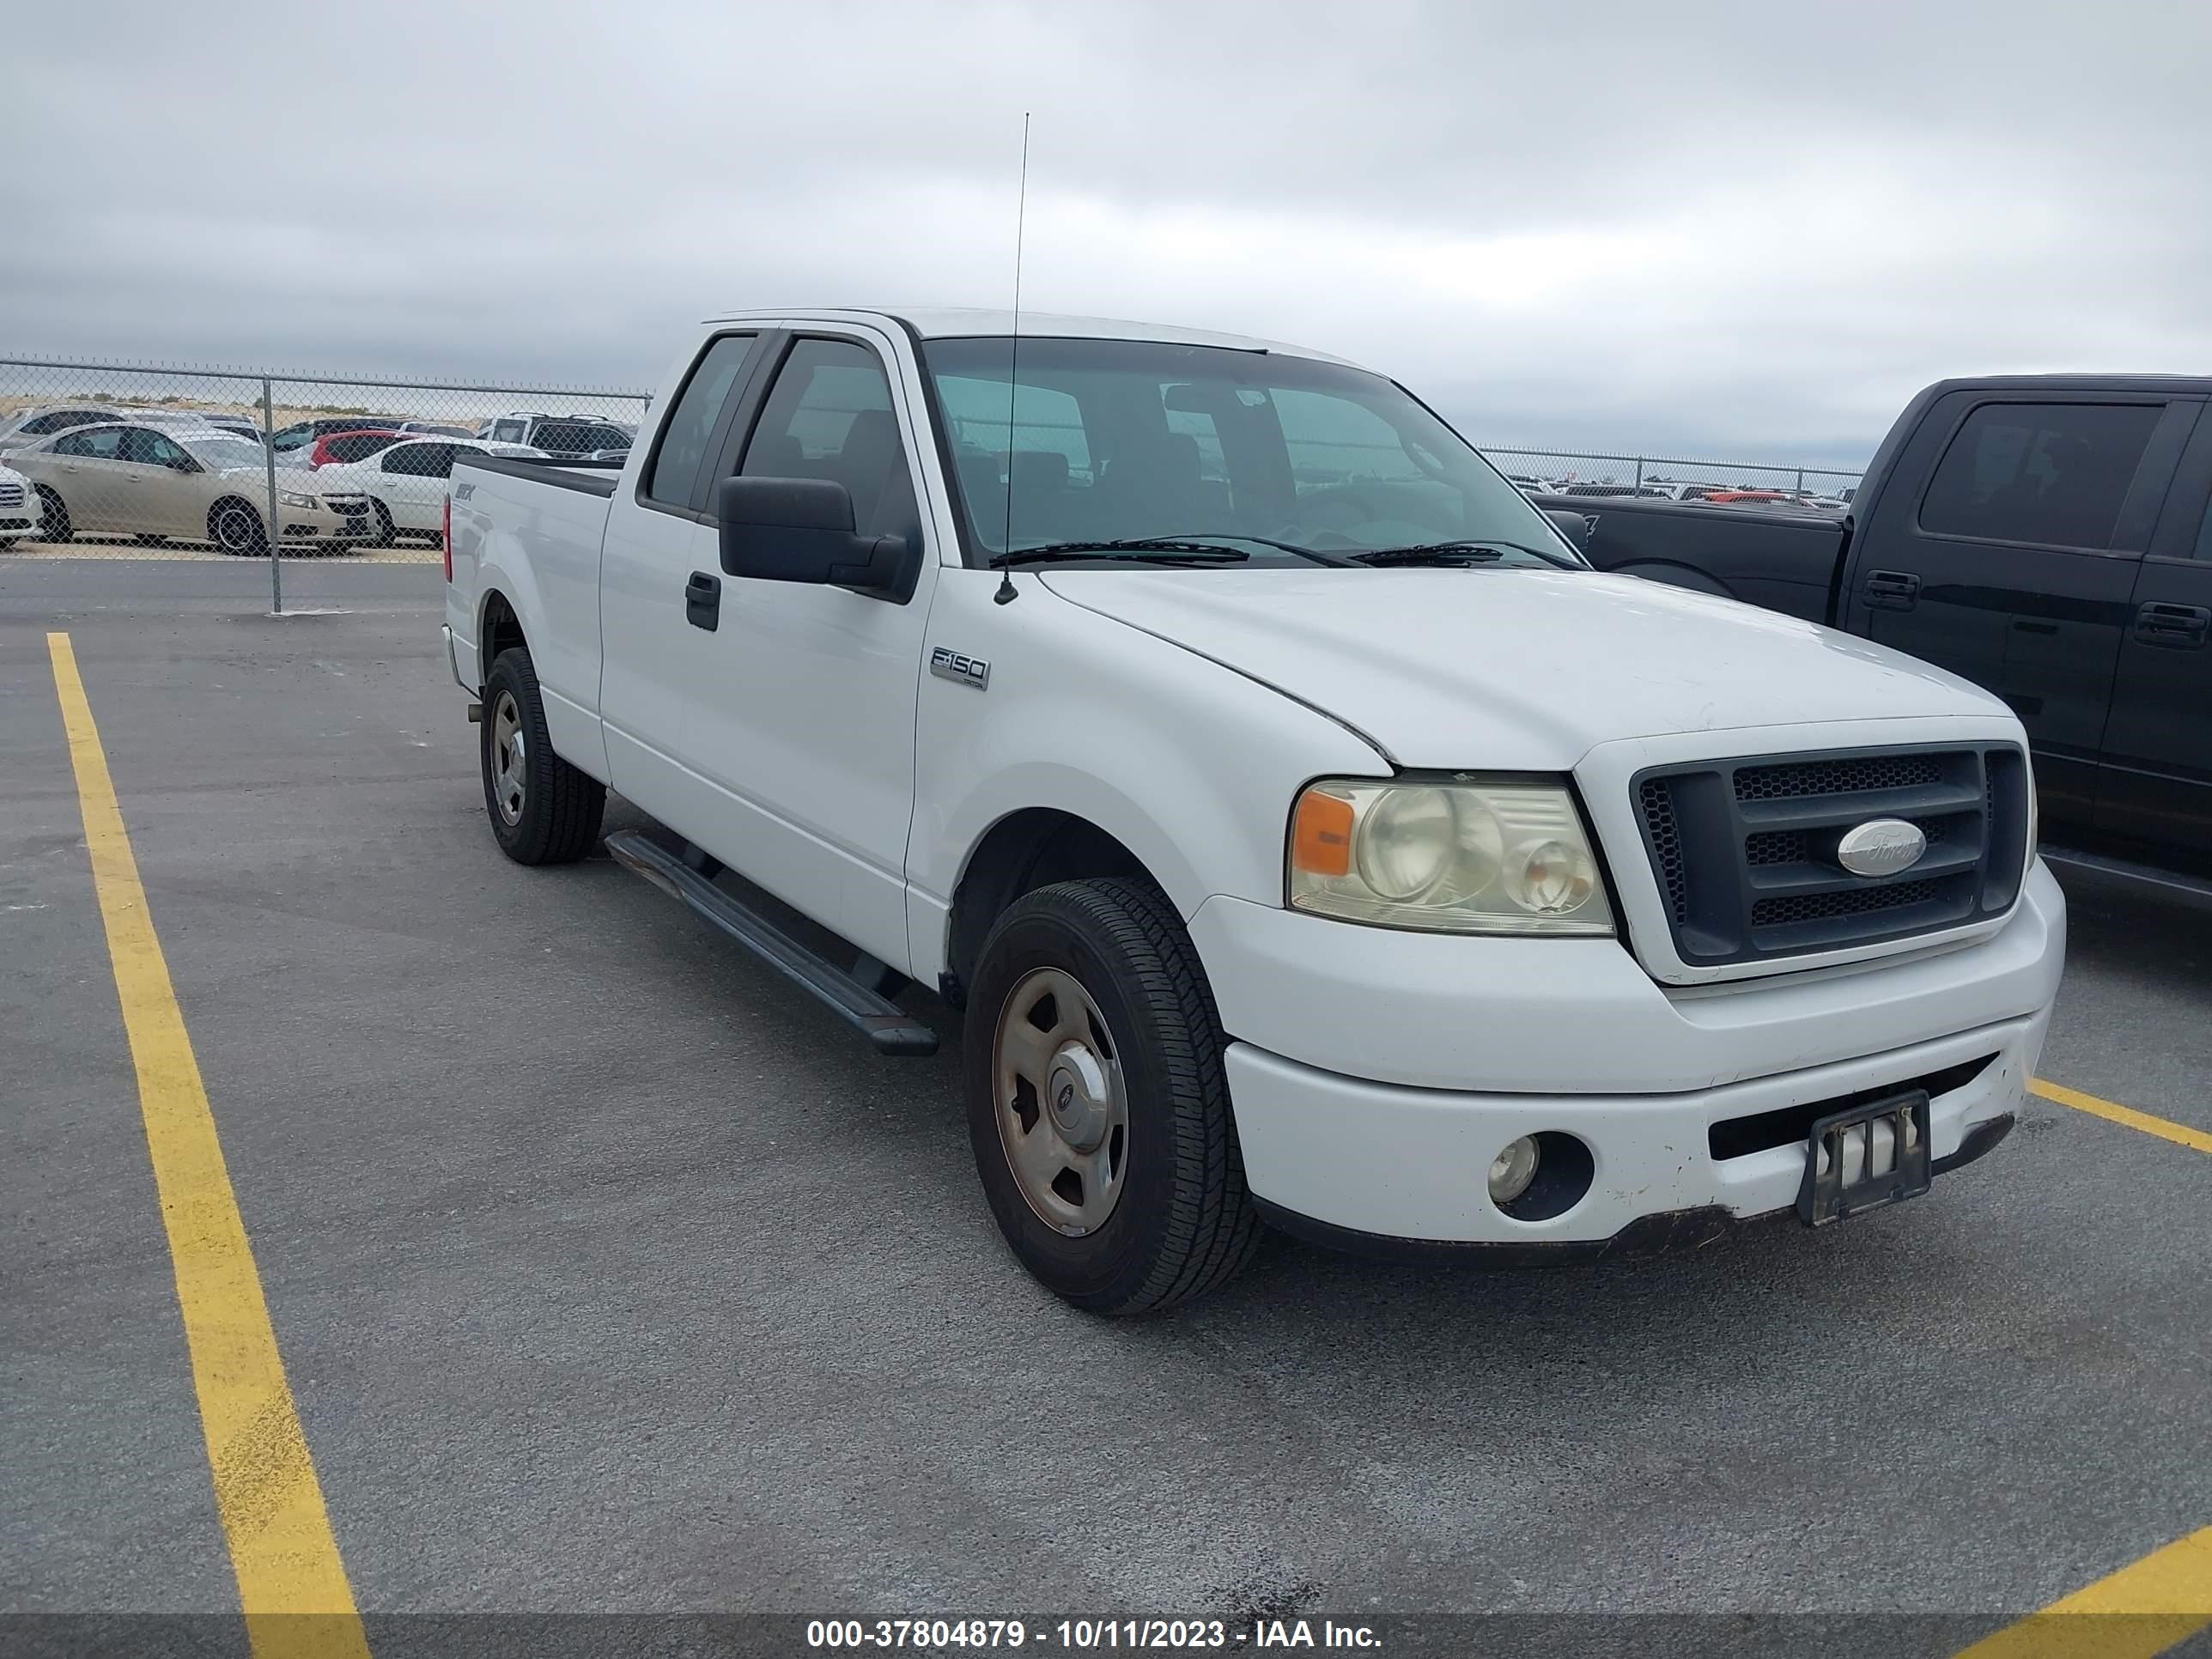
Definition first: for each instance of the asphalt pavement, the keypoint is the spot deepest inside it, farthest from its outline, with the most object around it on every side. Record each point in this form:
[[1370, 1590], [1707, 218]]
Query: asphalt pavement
[[612, 1274]]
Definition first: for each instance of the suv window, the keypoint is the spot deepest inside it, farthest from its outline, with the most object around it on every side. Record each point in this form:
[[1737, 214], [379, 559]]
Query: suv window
[[420, 460], [60, 421], [104, 445], [509, 432], [2053, 474], [149, 448], [683, 447], [829, 416], [577, 437]]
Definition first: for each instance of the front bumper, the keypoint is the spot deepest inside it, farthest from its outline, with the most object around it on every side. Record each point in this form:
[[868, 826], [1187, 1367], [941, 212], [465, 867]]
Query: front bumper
[[323, 523], [1374, 1078]]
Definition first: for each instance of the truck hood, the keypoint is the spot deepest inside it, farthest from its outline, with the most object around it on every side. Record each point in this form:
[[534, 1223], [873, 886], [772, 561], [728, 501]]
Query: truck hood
[[1515, 668]]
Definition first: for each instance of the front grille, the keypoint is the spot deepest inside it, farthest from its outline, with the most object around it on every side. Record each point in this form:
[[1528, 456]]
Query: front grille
[[1744, 851], [11, 494]]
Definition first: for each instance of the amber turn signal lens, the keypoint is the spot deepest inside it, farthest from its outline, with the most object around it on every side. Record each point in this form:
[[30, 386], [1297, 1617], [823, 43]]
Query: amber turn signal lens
[[1320, 834]]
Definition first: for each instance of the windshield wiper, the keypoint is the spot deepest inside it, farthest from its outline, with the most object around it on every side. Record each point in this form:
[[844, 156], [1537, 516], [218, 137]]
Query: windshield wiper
[[1201, 542], [1151, 550], [1459, 553]]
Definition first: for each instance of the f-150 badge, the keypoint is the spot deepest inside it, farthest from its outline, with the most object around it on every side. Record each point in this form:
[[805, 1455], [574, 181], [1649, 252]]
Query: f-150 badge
[[962, 671]]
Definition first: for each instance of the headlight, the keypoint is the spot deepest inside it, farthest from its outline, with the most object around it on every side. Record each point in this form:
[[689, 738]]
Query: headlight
[[290, 499], [1454, 856]]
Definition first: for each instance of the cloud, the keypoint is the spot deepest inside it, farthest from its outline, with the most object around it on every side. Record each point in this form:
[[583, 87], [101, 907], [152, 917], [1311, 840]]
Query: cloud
[[1751, 227]]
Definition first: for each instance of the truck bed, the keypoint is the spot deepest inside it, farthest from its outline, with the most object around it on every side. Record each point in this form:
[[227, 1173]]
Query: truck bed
[[1783, 560]]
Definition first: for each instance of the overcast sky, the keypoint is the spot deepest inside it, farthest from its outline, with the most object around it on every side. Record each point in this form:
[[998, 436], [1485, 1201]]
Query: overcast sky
[[1749, 228]]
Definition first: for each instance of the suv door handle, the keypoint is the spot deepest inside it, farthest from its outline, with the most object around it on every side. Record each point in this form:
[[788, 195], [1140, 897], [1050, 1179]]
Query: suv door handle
[[702, 601], [1891, 590], [2175, 627]]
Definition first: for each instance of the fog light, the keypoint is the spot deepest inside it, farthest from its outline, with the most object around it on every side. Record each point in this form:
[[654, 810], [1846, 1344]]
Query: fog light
[[1512, 1170]]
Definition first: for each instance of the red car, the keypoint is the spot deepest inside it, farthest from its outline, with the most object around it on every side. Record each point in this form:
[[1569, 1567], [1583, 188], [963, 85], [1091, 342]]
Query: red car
[[356, 446], [1728, 497]]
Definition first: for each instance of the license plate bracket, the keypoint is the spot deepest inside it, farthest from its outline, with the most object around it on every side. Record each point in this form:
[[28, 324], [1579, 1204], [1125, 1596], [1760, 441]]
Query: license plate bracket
[[1843, 1148]]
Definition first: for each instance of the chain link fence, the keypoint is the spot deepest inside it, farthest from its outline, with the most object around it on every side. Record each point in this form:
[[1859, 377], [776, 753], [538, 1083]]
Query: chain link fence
[[141, 460], [137, 461]]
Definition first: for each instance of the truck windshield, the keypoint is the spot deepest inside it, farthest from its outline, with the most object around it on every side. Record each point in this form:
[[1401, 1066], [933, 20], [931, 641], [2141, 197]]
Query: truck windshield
[[1131, 441]]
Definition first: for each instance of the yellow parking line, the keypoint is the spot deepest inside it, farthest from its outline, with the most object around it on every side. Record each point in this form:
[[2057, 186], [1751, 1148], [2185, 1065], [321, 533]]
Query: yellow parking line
[[2141, 1610], [2180, 1133], [271, 1505]]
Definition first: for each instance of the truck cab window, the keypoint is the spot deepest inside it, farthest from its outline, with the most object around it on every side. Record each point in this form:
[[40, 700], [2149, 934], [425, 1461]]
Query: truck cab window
[[829, 416], [2043, 474]]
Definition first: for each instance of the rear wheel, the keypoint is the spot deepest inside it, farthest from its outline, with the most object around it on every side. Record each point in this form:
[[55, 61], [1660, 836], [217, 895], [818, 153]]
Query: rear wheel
[[1097, 1105], [543, 810], [58, 525], [235, 526]]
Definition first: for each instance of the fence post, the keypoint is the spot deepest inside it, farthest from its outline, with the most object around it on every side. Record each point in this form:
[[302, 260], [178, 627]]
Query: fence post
[[275, 525], [1639, 474], [1801, 481]]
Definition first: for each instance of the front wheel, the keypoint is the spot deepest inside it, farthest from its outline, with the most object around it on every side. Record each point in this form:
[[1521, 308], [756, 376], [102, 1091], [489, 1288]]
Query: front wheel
[[235, 526], [58, 527], [1096, 1104], [543, 810]]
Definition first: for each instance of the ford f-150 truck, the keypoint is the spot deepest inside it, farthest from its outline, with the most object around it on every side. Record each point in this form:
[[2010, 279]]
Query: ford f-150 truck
[[1304, 833], [2047, 537]]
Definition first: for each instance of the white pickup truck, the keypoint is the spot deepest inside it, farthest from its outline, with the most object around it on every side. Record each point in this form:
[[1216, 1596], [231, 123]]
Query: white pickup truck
[[1303, 832]]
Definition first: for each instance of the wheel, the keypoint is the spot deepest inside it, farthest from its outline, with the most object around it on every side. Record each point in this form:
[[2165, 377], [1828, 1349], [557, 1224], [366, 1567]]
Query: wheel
[[1096, 1103], [543, 810], [235, 526], [383, 536], [58, 525]]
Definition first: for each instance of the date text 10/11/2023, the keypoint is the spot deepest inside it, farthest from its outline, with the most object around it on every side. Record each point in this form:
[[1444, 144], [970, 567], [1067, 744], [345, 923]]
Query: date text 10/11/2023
[[1086, 1635]]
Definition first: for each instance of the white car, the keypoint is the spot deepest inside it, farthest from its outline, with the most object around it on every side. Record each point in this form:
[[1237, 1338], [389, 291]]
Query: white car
[[22, 513], [1345, 854], [405, 482], [31, 425]]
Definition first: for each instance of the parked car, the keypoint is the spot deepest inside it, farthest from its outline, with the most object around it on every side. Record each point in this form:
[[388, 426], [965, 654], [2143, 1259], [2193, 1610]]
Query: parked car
[[348, 446], [192, 419], [2047, 537], [191, 483], [304, 435], [559, 434], [21, 510], [405, 482], [28, 426], [1349, 857], [1673, 490]]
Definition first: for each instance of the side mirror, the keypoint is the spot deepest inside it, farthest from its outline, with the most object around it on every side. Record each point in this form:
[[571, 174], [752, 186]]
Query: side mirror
[[800, 530], [1577, 527]]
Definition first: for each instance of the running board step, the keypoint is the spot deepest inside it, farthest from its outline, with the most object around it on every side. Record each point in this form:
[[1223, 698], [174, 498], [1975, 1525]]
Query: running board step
[[895, 1032], [2146, 879]]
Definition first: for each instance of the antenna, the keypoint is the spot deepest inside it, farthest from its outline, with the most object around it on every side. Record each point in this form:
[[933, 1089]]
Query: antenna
[[1006, 588]]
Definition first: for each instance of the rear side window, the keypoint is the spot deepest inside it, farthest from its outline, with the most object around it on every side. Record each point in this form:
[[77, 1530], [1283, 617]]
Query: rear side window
[[2050, 474], [420, 460], [104, 445], [149, 448]]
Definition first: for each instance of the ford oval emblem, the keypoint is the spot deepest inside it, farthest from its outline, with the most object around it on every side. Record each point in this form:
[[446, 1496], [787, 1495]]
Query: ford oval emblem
[[1880, 846]]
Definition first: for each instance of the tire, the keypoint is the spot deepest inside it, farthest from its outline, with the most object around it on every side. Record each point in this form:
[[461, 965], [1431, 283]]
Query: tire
[[58, 525], [1168, 1219], [543, 810], [234, 526]]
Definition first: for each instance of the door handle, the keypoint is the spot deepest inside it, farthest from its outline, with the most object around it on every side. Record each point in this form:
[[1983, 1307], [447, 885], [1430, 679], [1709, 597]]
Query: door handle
[[702, 601], [2175, 627], [1891, 590]]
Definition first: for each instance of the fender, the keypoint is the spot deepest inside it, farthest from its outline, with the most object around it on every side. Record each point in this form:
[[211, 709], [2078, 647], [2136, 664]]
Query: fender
[[1677, 575]]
